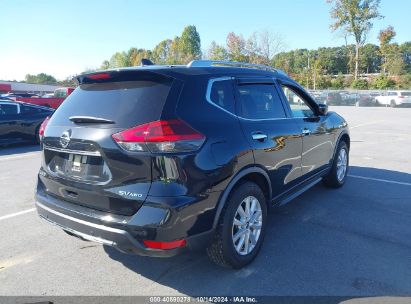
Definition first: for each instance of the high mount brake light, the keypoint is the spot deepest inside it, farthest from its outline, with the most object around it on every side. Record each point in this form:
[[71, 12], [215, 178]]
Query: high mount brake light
[[43, 126], [167, 136], [99, 76]]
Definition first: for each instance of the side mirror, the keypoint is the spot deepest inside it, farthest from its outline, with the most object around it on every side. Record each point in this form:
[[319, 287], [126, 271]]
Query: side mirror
[[322, 109]]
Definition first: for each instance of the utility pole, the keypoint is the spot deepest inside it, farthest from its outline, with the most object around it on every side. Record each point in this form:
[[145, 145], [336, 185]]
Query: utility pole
[[308, 68]]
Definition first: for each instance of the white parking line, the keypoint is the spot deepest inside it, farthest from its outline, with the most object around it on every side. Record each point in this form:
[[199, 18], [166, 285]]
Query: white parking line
[[16, 214], [380, 180], [19, 156], [366, 124]]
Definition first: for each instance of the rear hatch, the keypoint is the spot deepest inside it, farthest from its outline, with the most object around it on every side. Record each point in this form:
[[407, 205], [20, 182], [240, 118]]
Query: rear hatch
[[406, 97], [82, 163]]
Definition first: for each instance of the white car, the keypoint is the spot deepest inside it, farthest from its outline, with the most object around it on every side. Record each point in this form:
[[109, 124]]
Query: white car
[[394, 98]]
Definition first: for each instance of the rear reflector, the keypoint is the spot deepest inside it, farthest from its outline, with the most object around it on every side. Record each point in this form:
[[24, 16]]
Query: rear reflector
[[43, 126], [160, 136], [165, 245]]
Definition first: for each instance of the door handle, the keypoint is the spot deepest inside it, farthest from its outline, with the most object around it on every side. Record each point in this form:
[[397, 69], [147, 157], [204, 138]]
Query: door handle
[[259, 136], [306, 132]]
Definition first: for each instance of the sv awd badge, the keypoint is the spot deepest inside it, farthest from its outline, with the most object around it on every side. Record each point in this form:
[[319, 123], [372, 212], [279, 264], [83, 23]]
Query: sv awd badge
[[130, 194]]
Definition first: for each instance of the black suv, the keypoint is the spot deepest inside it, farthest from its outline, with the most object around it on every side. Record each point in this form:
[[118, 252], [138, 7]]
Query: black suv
[[154, 160]]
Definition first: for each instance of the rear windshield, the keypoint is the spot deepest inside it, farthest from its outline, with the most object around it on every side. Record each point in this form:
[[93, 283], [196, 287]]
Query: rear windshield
[[406, 93], [127, 103]]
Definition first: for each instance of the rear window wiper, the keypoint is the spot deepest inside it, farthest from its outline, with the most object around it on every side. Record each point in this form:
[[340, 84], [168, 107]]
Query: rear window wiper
[[90, 119]]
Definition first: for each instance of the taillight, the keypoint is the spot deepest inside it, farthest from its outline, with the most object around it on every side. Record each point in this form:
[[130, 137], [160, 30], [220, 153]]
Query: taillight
[[401, 96], [161, 136], [43, 126], [164, 245]]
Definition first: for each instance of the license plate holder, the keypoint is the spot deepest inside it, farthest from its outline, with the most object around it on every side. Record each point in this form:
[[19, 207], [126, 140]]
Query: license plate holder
[[77, 162]]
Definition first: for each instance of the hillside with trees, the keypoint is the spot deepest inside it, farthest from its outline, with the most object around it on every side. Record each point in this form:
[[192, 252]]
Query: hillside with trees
[[358, 65], [387, 65]]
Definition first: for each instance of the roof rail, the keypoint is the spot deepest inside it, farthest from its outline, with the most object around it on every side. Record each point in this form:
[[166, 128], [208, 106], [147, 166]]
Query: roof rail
[[211, 63]]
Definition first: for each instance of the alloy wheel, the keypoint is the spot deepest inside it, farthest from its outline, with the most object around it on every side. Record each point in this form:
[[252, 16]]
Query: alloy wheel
[[247, 225], [342, 163]]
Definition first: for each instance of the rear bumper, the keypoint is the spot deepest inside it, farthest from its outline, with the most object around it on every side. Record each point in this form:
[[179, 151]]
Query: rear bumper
[[115, 231]]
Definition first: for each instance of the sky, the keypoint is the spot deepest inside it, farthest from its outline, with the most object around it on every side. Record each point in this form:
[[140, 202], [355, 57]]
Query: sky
[[63, 38]]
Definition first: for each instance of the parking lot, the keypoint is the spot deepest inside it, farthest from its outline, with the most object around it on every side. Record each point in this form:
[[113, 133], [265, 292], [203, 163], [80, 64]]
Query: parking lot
[[352, 241]]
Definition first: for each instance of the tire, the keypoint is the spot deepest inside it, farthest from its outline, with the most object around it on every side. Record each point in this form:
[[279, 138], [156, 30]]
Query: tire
[[336, 178], [222, 250], [393, 104]]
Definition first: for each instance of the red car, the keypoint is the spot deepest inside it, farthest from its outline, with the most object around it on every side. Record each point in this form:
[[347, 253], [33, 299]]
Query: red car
[[59, 95]]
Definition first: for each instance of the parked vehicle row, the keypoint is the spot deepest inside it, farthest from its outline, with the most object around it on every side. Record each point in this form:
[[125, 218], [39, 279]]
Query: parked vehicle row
[[363, 98], [20, 122], [51, 101], [394, 99]]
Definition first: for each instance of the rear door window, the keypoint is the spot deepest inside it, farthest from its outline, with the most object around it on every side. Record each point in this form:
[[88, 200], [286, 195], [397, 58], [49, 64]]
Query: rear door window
[[259, 101], [127, 103], [220, 93], [7, 109]]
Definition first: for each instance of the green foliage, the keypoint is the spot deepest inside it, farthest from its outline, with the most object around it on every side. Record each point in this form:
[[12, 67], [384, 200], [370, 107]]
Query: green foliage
[[354, 17], [179, 50], [189, 44], [359, 84], [370, 59], [323, 82], [338, 83], [325, 67], [404, 82], [41, 78], [217, 52], [161, 52], [405, 50], [382, 82]]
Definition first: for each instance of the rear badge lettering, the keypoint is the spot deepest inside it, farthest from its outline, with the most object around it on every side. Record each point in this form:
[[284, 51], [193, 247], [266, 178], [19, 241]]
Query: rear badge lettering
[[130, 194]]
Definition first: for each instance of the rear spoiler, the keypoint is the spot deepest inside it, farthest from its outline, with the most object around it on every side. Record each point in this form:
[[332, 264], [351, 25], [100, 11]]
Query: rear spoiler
[[134, 74]]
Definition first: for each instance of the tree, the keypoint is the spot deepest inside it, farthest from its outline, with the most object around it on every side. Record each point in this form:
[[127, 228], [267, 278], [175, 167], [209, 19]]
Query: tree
[[189, 44], [105, 65], [161, 52], [406, 55], [382, 82], [174, 55], [370, 59], [385, 37], [236, 47], [217, 52], [360, 84], [41, 78], [269, 44], [354, 18], [252, 49], [118, 60]]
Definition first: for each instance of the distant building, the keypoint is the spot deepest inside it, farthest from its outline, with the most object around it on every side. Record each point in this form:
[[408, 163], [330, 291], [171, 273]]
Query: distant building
[[22, 87]]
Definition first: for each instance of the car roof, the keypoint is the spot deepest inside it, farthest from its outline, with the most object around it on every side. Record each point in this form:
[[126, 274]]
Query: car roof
[[201, 67], [17, 102]]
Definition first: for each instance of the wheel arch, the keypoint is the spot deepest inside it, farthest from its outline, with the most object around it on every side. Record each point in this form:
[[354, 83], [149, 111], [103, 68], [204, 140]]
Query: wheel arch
[[253, 174], [345, 137]]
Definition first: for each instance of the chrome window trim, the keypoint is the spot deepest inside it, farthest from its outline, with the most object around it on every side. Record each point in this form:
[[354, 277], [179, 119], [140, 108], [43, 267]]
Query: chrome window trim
[[79, 152], [225, 78]]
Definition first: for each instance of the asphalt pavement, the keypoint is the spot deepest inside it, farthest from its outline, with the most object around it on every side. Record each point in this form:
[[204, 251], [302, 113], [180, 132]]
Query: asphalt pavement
[[353, 241]]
